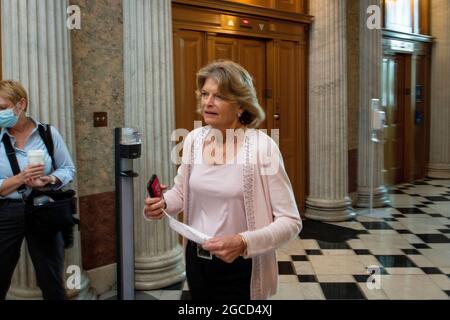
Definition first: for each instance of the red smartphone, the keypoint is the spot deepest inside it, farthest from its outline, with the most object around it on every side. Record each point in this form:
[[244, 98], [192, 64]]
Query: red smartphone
[[154, 188]]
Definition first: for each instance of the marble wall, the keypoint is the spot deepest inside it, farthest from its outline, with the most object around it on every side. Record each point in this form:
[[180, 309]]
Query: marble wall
[[98, 86], [97, 57]]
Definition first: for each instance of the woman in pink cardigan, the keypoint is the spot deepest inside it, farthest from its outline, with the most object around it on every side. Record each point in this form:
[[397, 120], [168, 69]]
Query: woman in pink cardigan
[[234, 189]]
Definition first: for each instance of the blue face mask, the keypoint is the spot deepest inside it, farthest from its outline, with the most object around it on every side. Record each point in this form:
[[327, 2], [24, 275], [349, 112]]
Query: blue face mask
[[8, 119]]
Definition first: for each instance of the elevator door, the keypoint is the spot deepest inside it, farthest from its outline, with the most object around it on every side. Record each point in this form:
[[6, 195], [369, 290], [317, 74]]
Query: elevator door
[[248, 52], [278, 71], [394, 102], [275, 68]]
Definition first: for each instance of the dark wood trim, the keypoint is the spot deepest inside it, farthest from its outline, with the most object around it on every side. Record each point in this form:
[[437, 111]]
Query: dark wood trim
[[239, 8], [189, 26], [188, 17]]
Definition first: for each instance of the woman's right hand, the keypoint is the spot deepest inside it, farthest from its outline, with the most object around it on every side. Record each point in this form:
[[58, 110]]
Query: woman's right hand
[[153, 209], [31, 173]]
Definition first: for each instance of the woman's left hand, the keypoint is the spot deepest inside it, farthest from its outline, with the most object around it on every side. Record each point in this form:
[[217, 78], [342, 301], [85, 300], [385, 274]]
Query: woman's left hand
[[226, 248], [39, 182]]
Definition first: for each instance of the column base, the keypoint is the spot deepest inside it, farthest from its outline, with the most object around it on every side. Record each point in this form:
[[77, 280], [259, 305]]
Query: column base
[[159, 271], [439, 171], [380, 197], [329, 210], [84, 293]]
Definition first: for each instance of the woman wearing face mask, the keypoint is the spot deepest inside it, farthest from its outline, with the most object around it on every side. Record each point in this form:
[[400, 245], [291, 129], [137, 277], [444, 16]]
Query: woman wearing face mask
[[47, 254]]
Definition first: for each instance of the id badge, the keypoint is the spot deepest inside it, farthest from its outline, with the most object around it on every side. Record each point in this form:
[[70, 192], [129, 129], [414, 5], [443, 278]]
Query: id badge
[[202, 253]]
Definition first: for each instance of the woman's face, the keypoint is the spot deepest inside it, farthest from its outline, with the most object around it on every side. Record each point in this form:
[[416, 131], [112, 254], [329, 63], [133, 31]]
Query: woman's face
[[18, 110], [218, 112]]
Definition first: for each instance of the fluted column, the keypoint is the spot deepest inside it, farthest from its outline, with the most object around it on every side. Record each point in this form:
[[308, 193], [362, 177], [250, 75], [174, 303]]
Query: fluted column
[[370, 59], [149, 106], [439, 166], [328, 151], [36, 51]]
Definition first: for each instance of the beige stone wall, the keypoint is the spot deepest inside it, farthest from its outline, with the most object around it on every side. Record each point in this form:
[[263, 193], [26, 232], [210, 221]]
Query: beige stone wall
[[97, 57]]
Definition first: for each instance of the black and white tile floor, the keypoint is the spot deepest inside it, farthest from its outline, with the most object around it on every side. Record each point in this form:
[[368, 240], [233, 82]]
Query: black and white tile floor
[[408, 242]]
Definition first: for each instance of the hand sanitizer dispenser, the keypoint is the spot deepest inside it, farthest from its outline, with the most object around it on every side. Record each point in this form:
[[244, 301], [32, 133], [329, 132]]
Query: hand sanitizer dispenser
[[127, 149]]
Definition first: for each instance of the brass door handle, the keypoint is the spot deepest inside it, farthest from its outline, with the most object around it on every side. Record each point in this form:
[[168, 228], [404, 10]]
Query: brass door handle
[[276, 116]]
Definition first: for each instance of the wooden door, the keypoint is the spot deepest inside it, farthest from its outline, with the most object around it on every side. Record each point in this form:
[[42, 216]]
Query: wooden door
[[252, 56], [394, 103], [250, 53], [278, 69], [189, 57], [286, 71]]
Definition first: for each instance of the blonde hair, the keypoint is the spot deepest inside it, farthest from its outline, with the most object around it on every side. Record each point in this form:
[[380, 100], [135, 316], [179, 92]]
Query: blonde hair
[[236, 86], [12, 91]]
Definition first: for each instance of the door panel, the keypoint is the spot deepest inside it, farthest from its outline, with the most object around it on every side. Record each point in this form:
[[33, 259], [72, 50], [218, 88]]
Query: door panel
[[286, 110], [393, 101], [222, 48], [189, 57], [252, 56], [249, 53]]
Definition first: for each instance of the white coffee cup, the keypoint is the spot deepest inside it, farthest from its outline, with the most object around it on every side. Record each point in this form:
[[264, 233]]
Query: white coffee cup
[[36, 157]]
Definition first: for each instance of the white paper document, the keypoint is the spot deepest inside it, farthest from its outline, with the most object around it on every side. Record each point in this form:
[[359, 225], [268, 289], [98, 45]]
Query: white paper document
[[187, 231]]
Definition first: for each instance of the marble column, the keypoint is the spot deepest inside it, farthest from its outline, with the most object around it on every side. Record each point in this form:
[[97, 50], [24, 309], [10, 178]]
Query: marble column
[[439, 165], [328, 198], [149, 106], [36, 52], [370, 59]]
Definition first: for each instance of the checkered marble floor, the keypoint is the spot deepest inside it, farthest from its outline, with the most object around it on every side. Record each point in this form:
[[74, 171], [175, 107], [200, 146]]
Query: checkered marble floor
[[408, 243]]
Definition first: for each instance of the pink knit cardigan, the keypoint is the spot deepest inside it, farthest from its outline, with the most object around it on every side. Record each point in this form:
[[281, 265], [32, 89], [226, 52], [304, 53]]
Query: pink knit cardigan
[[271, 211]]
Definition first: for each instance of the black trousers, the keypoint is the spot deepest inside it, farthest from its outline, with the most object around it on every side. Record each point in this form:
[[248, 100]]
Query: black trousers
[[216, 280], [46, 254]]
